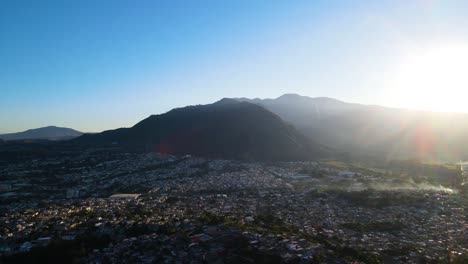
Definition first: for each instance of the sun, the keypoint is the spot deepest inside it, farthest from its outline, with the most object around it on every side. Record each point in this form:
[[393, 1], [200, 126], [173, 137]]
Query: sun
[[434, 78]]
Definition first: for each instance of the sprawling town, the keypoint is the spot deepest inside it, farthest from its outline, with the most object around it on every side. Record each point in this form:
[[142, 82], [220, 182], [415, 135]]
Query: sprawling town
[[114, 207]]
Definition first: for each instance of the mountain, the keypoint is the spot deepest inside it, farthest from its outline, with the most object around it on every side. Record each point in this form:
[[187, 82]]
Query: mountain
[[302, 110], [374, 131], [225, 129], [47, 133]]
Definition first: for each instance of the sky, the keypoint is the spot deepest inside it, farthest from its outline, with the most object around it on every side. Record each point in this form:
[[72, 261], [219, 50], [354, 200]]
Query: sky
[[98, 65]]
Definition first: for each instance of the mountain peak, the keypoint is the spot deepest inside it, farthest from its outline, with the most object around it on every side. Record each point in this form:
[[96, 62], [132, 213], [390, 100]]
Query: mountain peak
[[293, 96], [225, 129], [227, 101], [290, 96]]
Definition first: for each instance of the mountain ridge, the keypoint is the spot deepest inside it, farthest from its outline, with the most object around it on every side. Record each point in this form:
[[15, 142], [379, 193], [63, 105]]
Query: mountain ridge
[[364, 130], [54, 133], [224, 129]]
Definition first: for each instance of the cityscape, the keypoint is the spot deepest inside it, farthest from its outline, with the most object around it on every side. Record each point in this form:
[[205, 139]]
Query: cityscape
[[107, 207]]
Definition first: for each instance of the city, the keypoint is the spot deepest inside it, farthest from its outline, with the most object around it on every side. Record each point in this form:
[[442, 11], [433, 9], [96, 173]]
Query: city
[[107, 207]]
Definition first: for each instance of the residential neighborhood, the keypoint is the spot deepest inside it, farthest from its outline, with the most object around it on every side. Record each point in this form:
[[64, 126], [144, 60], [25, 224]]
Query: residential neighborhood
[[153, 208]]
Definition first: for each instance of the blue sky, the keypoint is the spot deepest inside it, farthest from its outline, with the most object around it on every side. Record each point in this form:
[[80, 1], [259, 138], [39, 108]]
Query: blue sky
[[96, 65]]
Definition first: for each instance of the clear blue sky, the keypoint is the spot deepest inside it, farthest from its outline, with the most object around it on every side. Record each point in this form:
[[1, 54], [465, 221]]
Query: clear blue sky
[[96, 65]]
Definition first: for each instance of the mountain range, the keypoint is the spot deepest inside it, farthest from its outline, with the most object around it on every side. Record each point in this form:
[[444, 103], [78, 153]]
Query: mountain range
[[44, 133], [374, 131], [290, 127]]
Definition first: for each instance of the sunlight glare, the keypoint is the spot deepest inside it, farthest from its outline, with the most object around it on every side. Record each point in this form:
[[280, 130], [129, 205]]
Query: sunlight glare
[[433, 79]]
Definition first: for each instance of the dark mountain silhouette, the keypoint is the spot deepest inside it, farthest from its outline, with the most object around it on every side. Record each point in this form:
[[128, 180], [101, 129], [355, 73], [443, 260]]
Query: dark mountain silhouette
[[225, 129], [374, 131], [48, 133]]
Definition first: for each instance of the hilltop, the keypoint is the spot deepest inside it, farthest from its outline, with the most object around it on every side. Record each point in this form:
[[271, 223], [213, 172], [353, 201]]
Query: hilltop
[[225, 129], [43, 133]]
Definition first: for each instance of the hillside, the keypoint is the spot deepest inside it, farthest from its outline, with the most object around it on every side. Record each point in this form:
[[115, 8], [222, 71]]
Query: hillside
[[374, 131], [47, 133], [225, 129]]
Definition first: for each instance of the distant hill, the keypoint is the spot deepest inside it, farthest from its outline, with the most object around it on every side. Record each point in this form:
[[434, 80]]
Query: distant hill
[[225, 129], [43, 133], [374, 131]]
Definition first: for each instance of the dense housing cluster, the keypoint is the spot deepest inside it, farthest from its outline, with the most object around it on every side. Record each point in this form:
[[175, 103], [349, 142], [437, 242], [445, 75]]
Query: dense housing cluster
[[106, 207]]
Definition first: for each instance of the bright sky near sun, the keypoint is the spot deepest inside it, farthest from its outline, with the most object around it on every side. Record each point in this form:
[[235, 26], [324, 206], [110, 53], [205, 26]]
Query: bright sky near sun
[[95, 65]]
